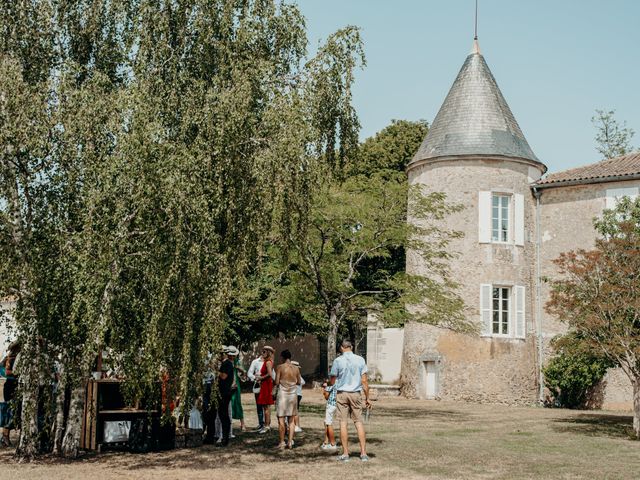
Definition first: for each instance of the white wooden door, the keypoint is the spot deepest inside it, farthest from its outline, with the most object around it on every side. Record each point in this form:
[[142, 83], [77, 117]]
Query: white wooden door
[[430, 380]]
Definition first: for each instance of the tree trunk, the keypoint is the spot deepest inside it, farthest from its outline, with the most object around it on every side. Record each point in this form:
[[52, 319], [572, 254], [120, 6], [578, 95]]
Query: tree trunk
[[71, 440], [59, 424], [332, 338], [636, 407], [28, 370]]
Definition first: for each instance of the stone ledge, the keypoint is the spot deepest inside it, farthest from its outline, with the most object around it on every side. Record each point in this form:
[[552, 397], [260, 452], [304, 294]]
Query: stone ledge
[[382, 390]]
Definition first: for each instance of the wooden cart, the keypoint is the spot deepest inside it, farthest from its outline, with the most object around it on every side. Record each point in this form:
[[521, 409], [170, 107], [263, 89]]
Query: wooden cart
[[104, 402]]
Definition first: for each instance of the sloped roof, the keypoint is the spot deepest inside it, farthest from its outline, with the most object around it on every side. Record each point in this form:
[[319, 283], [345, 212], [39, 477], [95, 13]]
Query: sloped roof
[[474, 119], [614, 168]]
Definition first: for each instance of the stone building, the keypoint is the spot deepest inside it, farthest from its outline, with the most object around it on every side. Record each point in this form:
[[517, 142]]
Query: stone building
[[515, 222]]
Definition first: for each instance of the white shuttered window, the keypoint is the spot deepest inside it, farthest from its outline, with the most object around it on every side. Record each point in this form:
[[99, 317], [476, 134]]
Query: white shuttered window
[[519, 316], [484, 217], [502, 311], [501, 218], [485, 308], [518, 221]]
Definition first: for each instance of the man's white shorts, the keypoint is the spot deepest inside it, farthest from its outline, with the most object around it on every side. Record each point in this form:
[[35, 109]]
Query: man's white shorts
[[328, 414]]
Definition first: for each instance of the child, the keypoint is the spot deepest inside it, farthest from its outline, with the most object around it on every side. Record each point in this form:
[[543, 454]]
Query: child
[[329, 392]]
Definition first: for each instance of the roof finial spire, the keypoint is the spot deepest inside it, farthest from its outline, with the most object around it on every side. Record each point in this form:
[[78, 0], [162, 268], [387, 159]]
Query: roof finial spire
[[475, 33], [476, 45]]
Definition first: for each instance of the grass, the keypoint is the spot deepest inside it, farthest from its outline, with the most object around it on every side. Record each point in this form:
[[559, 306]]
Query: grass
[[406, 439]]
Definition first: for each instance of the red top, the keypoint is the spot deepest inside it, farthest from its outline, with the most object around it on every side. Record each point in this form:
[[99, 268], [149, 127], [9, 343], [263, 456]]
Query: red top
[[265, 397]]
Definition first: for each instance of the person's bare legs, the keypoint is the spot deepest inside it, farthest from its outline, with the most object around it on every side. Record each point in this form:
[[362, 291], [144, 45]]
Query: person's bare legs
[[267, 416], [281, 429], [292, 430], [330, 435], [361, 438], [344, 437]]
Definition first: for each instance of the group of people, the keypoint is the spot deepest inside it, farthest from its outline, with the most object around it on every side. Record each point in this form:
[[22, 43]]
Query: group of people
[[346, 392]]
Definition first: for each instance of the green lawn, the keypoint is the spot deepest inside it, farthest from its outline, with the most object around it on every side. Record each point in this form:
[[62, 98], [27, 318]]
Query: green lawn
[[407, 439]]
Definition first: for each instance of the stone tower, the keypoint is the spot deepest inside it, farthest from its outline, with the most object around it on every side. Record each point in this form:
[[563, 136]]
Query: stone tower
[[476, 153]]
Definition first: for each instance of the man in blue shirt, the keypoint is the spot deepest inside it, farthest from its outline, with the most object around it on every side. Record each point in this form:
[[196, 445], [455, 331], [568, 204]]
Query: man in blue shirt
[[349, 378]]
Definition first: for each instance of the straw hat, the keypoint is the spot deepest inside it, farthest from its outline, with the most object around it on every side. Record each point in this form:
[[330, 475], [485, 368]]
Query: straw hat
[[231, 350], [296, 363], [267, 347]]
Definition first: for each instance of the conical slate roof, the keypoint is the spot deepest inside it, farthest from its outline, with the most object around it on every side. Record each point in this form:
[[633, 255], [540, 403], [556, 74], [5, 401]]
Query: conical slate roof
[[474, 119]]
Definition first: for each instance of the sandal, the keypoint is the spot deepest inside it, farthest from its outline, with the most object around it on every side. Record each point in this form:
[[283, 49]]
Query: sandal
[[281, 446]]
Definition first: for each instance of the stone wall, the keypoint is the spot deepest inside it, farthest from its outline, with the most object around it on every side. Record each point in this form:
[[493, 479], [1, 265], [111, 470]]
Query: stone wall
[[384, 351], [483, 369], [566, 224], [304, 348]]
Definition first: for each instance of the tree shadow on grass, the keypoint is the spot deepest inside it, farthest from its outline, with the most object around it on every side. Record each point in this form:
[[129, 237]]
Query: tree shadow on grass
[[400, 413], [244, 451], [597, 425]]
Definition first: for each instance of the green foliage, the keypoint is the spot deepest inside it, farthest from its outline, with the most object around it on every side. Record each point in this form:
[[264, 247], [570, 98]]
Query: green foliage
[[147, 150], [612, 138], [573, 371], [392, 148]]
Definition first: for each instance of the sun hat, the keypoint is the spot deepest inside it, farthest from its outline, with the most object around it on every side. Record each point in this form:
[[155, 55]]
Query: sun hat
[[267, 347], [295, 362], [231, 350]]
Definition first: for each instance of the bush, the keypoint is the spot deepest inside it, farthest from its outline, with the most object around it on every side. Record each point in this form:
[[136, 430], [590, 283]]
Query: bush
[[573, 371]]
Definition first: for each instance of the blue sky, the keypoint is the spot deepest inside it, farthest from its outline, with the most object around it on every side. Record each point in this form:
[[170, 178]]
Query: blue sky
[[555, 62]]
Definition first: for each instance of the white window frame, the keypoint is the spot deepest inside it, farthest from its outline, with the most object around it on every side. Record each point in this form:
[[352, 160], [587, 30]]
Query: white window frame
[[516, 319], [515, 217], [502, 198], [509, 311]]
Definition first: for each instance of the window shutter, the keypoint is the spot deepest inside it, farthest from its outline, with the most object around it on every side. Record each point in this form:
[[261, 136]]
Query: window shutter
[[485, 308], [519, 312], [615, 194], [484, 217], [518, 223]]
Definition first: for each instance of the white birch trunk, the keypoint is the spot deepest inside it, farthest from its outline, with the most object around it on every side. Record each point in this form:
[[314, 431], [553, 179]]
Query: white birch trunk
[[59, 424], [71, 440]]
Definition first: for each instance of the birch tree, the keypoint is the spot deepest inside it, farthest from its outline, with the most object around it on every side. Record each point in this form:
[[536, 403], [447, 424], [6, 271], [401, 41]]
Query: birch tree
[[157, 144]]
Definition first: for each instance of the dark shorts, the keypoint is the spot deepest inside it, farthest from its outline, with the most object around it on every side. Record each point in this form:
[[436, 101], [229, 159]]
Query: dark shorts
[[6, 415]]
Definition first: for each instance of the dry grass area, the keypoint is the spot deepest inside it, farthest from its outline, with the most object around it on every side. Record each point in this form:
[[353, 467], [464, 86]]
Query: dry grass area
[[407, 439]]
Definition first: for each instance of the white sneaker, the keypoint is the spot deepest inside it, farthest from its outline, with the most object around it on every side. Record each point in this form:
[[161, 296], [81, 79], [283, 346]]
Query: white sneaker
[[298, 429], [264, 430], [219, 440], [327, 447]]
